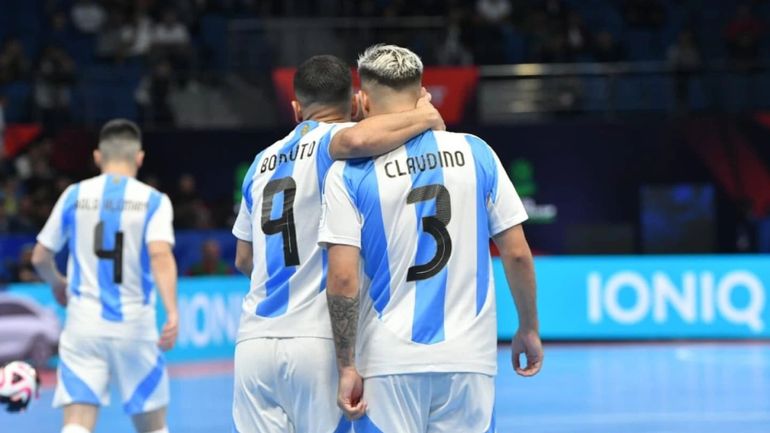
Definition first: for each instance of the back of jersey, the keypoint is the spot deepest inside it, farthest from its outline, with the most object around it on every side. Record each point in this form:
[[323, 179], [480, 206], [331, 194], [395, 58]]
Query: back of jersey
[[424, 214], [279, 215], [108, 222]]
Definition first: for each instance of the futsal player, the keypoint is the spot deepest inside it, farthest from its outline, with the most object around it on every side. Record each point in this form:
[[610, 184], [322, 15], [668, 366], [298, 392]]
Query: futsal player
[[422, 355], [120, 236], [285, 373]]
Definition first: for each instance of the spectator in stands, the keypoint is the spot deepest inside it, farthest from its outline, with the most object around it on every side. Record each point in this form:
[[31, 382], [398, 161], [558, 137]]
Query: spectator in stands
[[53, 87], [110, 43], [25, 220], [211, 261], [14, 65], [153, 95], [577, 36], [184, 200], [5, 221], [136, 34], [23, 271], [171, 41], [492, 17], [684, 58], [742, 35], [88, 16], [606, 49], [59, 29], [453, 50]]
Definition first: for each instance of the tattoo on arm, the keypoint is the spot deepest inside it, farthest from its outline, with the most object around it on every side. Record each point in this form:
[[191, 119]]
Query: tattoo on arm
[[344, 317]]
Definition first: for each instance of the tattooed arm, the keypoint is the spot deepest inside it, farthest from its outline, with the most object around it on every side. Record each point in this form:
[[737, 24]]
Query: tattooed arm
[[342, 293]]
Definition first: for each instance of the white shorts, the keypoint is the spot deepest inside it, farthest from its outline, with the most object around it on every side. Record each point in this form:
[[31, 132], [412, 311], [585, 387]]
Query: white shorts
[[429, 403], [87, 365], [286, 385]]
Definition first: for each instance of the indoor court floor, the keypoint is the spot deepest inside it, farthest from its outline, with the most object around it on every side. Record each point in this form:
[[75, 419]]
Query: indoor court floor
[[591, 388]]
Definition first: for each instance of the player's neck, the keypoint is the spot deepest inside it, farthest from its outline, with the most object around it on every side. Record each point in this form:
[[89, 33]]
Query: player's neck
[[119, 169], [327, 115]]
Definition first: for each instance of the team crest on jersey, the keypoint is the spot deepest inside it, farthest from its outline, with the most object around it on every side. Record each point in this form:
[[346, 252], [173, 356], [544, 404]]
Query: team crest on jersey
[[305, 129]]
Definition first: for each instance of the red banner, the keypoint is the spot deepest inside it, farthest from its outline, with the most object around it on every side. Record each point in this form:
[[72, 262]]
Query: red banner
[[17, 136], [451, 89]]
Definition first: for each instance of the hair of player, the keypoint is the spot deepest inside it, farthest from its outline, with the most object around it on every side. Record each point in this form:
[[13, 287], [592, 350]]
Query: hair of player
[[323, 80], [120, 140], [390, 65]]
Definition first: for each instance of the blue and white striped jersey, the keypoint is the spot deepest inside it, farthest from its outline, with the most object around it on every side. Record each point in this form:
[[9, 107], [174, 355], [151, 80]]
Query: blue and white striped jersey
[[107, 222], [279, 215], [423, 215]]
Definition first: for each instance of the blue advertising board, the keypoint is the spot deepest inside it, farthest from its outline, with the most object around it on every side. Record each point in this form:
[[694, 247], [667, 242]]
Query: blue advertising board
[[579, 298], [646, 297]]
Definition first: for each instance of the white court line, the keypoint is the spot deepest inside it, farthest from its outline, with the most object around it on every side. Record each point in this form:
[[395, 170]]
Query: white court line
[[636, 418]]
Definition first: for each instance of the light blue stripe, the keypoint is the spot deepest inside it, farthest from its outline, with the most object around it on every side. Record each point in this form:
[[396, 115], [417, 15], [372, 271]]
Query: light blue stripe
[[109, 216], [485, 184], [276, 300], [147, 283], [361, 183], [323, 161], [143, 391], [78, 390], [248, 181], [323, 164], [344, 426], [493, 422], [365, 425], [69, 229], [428, 325]]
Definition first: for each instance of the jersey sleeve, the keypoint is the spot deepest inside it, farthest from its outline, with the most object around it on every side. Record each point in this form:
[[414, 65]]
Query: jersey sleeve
[[53, 236], [326, 142], [242, 226], [341, 221], [504, 205], [160, 227]]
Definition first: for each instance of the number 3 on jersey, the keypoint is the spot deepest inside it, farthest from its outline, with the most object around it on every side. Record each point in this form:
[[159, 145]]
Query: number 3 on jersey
[[284, 224], [434, 225]]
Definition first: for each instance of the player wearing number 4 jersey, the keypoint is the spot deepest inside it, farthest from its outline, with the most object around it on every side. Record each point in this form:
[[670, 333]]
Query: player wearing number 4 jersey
[[284, 357], [120, 235], [422, 216]]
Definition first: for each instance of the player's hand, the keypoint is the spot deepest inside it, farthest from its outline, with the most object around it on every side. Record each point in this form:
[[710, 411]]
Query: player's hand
[[435, 119], [350, 394], [169, 332], [60, 292], [527, 343]]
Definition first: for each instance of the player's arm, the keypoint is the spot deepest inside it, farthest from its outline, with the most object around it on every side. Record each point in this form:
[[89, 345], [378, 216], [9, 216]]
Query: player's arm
[[520, 274], [340, 232], [160, 241], [506, 213], [382, 133], [50, 240], [244, 258], [342, 294], [164, 272], [43, 259]]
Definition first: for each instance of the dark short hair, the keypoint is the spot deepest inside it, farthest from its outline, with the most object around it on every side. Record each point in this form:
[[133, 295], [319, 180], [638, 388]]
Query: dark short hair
[[120, 129], [324, 80]]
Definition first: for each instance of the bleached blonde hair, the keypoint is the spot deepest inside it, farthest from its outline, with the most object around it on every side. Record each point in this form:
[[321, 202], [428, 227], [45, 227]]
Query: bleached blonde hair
[[390, 65]]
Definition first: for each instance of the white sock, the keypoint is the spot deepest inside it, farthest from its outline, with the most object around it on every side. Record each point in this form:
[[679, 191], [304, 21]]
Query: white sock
[[74, 428], [163, 430]]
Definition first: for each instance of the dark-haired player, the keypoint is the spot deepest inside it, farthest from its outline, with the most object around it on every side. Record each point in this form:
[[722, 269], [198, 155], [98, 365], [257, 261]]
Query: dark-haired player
[[285, 374], [120, 235]]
